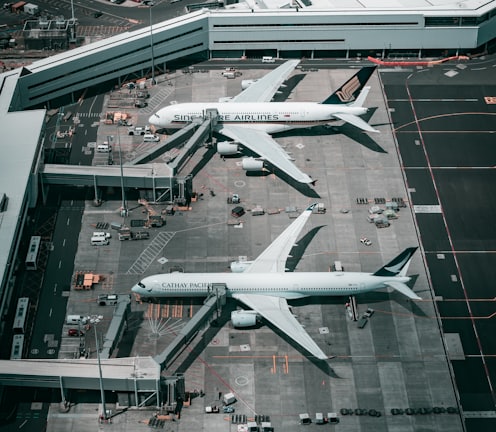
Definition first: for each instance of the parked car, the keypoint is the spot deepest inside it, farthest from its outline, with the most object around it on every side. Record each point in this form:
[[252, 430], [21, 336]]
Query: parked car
[[237, 211], [75, 332], [365, 241]]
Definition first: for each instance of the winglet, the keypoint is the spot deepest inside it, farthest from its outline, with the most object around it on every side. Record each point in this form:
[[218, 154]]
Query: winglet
[[399, 265], [311, 207]]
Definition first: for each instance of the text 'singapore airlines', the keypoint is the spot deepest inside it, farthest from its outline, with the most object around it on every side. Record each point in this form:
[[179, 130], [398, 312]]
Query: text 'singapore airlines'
[[249, 118]]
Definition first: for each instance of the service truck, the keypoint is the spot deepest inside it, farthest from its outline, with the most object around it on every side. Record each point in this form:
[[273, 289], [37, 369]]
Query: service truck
[[31, 9]]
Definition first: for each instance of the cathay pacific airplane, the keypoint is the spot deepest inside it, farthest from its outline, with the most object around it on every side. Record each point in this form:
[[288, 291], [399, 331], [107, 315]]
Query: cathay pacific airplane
[[264, 285], [249, 118]]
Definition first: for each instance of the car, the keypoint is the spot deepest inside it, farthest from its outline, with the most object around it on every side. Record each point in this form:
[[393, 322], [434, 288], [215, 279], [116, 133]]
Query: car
[[97, 14], [237, 211], [75, 332], [365, 241], [228, 409]]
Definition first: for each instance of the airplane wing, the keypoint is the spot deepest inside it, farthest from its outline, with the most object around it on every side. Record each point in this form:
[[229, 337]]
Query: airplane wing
[[264, 89], [262, 143], [276, 311], [273, 259]]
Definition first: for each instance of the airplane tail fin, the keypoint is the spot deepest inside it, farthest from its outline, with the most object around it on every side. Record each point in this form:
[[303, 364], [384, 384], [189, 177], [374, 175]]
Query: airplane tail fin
[[399, 265], [349, 92]]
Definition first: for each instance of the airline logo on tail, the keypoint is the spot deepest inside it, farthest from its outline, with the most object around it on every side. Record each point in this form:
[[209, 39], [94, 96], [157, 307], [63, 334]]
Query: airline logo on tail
[[398, 264], [345, 95]]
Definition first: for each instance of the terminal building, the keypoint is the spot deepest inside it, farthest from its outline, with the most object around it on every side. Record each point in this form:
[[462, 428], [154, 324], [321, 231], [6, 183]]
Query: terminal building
[[313, 30]]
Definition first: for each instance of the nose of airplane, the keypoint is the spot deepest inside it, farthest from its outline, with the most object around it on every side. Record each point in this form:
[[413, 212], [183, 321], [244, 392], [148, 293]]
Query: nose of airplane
[[154, 118]]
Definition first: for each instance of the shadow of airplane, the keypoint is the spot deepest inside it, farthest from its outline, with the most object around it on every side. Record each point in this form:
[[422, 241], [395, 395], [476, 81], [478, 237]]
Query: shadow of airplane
[[298, 250]]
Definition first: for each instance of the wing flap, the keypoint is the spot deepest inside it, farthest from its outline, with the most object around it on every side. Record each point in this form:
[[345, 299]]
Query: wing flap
[[276, 311], [264, 89], [262, 143]]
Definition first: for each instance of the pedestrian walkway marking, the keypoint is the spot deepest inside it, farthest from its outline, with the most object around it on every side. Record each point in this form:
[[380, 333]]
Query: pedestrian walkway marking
[[150, 253], [157, 99]]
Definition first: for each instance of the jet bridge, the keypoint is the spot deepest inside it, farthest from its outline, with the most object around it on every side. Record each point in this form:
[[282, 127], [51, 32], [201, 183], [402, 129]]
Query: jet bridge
[[212, 305], [196, 134], [173, 141]]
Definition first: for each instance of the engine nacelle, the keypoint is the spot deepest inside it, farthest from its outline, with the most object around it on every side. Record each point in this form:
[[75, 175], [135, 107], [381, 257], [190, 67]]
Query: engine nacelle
[[252, 164], [247, 83], [240, 266], [227, 148], [243, 318]]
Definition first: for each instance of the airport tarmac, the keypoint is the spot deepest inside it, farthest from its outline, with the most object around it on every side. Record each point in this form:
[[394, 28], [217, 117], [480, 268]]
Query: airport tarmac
[[444, 124], [397, 360]]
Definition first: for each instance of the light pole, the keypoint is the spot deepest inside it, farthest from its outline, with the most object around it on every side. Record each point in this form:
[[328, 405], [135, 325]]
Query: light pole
[[123, 194], [151, 46], [102, 391]]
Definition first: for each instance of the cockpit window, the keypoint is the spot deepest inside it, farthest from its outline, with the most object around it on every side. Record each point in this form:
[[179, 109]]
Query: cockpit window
[[141, 285]]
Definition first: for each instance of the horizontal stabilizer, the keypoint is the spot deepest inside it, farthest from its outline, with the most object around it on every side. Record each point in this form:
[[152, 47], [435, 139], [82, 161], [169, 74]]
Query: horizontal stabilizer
[[355, 121], [403, 289]]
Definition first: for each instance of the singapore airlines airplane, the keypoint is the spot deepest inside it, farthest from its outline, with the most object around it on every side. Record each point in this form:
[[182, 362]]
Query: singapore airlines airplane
[[249, 118], [265, 287]]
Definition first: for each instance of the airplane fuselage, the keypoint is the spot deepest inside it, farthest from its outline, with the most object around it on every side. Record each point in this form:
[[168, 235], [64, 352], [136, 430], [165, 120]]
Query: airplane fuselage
[[288, 285], [270, 117]]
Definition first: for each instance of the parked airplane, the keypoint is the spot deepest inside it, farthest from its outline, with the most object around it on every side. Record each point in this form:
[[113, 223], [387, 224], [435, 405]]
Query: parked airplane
[[265, 287], [248, 118]]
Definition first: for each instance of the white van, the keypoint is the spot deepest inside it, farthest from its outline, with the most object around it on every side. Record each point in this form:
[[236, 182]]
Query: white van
[[151, 138], [99, 241], [103, 148], [76, 319], [103, 234], [268, 59]]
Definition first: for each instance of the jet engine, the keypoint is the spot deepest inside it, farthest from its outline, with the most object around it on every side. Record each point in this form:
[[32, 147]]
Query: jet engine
[[252, 164], [240, 266], [227, 148], [247, 83], [244, 318]]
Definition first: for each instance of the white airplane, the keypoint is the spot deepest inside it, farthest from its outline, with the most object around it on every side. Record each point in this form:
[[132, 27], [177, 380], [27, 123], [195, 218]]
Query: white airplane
[[249, 118], [265, 286]]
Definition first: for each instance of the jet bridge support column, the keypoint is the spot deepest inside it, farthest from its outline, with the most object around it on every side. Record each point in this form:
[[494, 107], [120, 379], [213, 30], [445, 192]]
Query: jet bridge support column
[[62, 392]]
